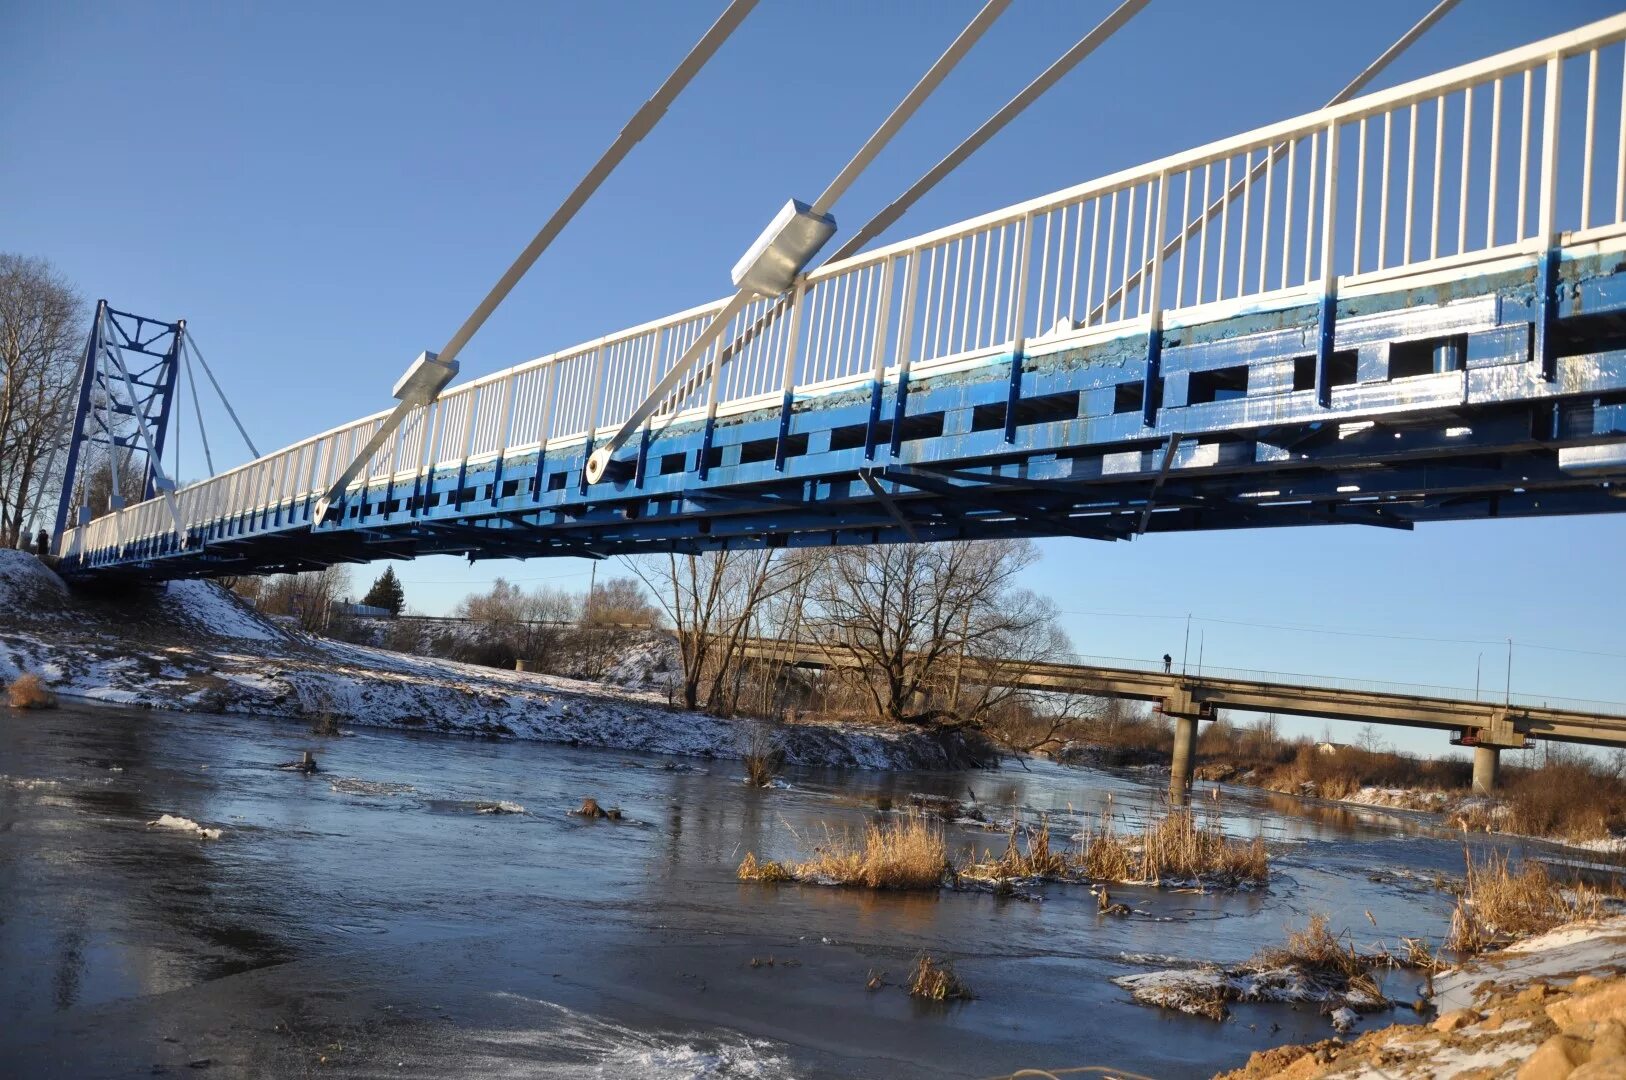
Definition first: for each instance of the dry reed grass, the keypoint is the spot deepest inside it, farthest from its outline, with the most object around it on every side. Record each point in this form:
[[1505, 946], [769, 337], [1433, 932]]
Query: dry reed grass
[[764, 758], [1500, 904], [1176, 847], [1037, 861], [767, 870], [908, 853], [1327, 957], [28, 692], [936, 980]]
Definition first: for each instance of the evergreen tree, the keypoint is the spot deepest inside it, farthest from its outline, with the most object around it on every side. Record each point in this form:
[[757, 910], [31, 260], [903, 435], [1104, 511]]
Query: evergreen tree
[[386, 592]]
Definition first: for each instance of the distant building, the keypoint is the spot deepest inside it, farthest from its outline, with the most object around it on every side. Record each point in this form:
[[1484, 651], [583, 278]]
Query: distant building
[[361, 611]]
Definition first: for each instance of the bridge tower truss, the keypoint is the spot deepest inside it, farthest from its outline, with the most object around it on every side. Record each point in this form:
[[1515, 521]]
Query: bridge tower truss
[[127, 385]]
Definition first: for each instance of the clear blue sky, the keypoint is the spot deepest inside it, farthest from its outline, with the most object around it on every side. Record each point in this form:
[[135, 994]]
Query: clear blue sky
[[325, 190]]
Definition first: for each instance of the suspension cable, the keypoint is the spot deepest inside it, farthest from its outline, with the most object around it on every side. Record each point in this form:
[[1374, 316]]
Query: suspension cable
[[906, 108], [192, 345], [197, 408], [642, 122]]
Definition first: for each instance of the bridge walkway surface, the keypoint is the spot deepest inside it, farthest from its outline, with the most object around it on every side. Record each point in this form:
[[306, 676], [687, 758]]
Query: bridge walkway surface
[[1406, 308]]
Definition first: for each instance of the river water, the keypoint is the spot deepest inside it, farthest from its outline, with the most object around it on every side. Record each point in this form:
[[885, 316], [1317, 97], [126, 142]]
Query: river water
[[368, 921]]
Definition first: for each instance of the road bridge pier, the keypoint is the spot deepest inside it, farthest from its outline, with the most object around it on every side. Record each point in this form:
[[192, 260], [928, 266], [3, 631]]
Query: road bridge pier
[[1487, 763], [1183, 762]]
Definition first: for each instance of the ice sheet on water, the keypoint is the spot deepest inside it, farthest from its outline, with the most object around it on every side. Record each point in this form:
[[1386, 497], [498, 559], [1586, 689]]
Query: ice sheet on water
[[550, 1040]]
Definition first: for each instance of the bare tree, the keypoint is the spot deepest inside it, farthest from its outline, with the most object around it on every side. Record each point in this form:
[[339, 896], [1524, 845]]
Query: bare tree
[[310, 597], [41, 333], [714, 602], [619, 602], [930, 625]]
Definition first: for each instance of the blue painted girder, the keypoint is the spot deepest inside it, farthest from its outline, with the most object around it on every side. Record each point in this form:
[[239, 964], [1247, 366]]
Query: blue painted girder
[[1438, 408]]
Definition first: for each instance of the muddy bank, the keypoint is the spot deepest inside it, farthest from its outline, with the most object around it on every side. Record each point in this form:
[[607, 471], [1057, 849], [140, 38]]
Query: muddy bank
[[191, 646]]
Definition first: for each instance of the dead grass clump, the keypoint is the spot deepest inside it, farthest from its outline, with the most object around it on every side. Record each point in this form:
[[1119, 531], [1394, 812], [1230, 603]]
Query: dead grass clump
[[28, 692], [936, 981], [1036, 861], [1106, 856], [1331, 962], [764, 759], [591, 809], [767, 870], [1177, 847], [1500, 904], [908, 853]]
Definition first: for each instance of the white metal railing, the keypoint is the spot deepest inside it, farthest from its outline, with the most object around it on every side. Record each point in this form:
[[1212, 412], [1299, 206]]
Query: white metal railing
[[1488, 160]]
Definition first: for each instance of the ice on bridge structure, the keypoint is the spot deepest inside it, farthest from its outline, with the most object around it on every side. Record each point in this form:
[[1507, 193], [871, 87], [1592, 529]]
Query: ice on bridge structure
[[1406, 308]]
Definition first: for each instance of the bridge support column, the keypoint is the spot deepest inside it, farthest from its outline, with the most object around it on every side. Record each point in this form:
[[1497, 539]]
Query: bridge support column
[[1487, 761], [1184, 764]]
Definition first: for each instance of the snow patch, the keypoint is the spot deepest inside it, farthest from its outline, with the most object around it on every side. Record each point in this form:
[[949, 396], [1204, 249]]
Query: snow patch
[[212, 609], [173, 821]]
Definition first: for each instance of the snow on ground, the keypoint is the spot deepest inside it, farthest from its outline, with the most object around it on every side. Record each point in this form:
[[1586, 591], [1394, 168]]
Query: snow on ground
[[1494, 1016], [191, 646], [1576, 949], [214, 611]]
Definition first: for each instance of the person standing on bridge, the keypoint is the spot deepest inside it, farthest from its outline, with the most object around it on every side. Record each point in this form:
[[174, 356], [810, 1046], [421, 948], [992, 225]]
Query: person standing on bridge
[[1168, 663]]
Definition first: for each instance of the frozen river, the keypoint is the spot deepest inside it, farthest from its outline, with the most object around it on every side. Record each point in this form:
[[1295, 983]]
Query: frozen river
[[368, 921]]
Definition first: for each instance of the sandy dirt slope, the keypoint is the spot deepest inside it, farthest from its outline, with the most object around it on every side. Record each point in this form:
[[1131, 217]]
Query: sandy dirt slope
[[1547, 1008]]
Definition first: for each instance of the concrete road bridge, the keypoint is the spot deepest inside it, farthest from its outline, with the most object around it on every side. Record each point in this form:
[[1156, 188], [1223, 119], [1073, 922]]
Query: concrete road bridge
[[1404, 308], [1488, 726]]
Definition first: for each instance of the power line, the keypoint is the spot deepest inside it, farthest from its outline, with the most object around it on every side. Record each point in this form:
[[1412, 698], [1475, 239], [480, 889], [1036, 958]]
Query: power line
[[1345, 632]]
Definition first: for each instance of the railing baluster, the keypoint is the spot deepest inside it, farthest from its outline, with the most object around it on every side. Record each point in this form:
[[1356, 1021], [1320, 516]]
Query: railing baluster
[[1439, 173], [1129, 238], [1524, 153], [1264, 224], [1112, 235], [1225, 228], [1467, 158], [1620, 151], [1309, 210], [1495, 163], [1383, 197], [1287, 210], [1180, 271], [1360, 190], [1019, 284], [1411, 182], [1591, 134], [1242, 234]]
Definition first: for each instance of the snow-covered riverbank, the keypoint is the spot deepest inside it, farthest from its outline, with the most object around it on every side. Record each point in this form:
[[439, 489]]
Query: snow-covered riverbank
[[192, 646]]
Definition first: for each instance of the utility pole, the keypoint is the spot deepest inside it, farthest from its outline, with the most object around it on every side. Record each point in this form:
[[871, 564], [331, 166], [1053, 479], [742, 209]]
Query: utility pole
[[592, 578], [1478, 662], [1508, 699], [1185, 651], [1202, 637]]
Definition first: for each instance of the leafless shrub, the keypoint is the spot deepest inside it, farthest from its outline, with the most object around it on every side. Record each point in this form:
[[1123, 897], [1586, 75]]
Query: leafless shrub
[[763, 756]]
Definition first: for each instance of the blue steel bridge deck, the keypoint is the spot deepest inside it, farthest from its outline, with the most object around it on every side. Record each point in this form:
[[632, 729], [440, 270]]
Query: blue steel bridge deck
[[1314, 346], [1491, 438]]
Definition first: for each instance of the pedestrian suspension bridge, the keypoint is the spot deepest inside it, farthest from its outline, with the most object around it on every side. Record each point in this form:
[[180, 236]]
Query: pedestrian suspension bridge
[[1407, 307]]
